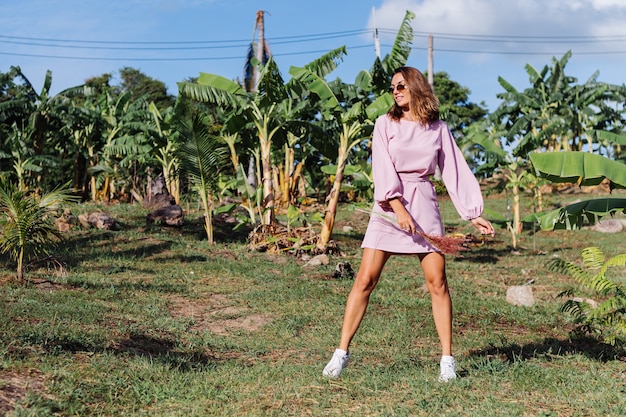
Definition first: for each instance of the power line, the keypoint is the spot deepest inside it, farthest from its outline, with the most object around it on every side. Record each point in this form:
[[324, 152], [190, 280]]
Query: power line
[[207, 45], [160, 48], [225, 43], [239, 42], [541, 38]]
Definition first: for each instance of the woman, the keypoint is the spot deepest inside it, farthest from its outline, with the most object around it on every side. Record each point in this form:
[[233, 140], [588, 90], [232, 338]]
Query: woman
[[408, 144]]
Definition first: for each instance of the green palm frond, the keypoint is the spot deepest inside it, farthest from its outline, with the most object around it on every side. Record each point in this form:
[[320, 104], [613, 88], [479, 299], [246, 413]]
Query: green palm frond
[[27, 223], [202, 155], [608, 316], [61, 195], [568, 268]]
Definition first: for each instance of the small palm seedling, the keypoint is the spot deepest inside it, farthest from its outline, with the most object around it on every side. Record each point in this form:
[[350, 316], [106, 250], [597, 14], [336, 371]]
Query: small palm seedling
[[202, 156], [606, 314], [26, 223]]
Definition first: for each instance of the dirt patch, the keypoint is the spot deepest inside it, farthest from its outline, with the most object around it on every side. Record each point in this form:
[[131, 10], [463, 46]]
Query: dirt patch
[[217, 313], [15, 387]]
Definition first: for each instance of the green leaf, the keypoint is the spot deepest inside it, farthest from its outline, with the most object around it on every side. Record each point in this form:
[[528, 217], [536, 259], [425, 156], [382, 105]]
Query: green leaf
[[226, 208], [401, 48], [328, 62], [573, 216], [292, 213], [579, 167], [611, 137], [348, 170], [379, 107], [317, 85], [222, 83]]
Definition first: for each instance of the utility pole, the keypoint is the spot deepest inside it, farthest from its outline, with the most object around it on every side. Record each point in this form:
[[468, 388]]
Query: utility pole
[[431, 73], [376, 39], [431, 81]]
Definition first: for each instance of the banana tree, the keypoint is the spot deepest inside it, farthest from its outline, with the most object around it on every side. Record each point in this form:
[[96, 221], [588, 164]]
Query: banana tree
[[35, 118], [352, 122], [353, 108], [581, 168], [258, 109], [516, 176], [271, 113], [127, 144], [556, 113], [167, 154]]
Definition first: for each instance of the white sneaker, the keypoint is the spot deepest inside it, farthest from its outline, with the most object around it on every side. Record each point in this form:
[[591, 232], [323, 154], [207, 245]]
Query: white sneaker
[[337, 363], [448, 369]]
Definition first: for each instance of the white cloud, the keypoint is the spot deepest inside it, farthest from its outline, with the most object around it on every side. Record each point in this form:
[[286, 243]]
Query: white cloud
[[512, 26], [497, 17], [608, 4]]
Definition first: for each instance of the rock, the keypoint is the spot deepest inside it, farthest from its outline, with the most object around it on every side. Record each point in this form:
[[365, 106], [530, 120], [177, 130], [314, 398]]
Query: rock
[[318, 260], [158, 200], [157, 195], [343, 270], [66, 222], [98, 220], [520, 295], [171, 215], [608, 226]]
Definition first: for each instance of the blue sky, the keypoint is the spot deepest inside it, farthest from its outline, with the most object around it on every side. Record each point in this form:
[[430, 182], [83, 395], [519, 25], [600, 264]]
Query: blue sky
[[475, 41]]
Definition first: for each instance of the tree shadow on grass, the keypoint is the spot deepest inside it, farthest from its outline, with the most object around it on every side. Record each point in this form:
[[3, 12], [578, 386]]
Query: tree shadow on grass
[[164, 351], [551, 348], [483, 255], [160, 350], [223, 230], [164, 287], [74, 248]]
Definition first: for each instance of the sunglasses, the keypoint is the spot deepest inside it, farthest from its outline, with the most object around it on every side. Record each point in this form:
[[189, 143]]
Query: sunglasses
[[399, 87]]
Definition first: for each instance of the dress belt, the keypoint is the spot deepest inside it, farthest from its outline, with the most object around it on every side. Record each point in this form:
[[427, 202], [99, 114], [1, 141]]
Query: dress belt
[[412, 177]]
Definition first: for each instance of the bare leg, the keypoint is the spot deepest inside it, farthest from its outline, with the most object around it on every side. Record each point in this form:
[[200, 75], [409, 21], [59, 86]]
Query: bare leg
[[372, 264], [434, 267]]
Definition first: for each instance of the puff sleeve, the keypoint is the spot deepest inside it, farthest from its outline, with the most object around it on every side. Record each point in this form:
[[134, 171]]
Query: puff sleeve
[[462, 185], [387, 184]]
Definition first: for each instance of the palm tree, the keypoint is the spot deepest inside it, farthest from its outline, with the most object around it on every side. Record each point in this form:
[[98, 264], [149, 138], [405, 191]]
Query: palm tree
[[26, 222], [607, 316], [202, 157], [259, 52]]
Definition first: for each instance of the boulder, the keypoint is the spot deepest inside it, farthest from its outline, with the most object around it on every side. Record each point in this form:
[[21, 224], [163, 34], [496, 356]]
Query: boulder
[[608, 226], [171, 215], [520, 295], [98, 220]]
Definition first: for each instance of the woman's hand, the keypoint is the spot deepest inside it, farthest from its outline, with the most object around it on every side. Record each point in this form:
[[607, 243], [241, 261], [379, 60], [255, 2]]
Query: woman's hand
[[405, 221], [484, 226]]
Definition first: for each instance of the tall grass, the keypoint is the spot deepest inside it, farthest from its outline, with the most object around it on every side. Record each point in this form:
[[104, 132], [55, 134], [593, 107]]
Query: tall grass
[[150, 321]]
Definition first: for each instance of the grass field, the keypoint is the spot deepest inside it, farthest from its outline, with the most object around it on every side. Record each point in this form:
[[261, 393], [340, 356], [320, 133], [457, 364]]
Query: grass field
[[151, 321]]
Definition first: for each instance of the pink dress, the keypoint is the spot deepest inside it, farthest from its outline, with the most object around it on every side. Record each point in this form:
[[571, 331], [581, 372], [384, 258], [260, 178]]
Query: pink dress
[[404, 156]]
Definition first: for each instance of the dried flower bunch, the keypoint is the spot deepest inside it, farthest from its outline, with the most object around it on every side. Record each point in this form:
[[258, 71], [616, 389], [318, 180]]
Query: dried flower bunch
[[449, 245]]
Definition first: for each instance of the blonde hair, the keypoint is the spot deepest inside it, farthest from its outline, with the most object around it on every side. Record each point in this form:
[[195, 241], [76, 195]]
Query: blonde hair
[[424, 105]]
